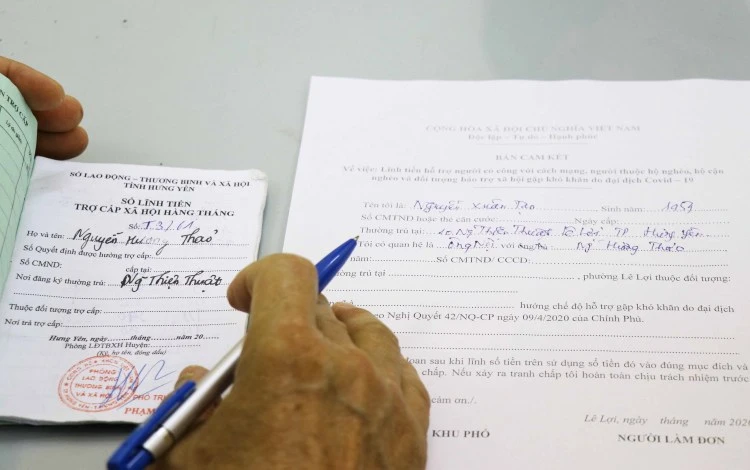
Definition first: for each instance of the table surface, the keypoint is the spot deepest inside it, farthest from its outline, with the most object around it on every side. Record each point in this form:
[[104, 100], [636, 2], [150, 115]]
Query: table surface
[[223, 84]]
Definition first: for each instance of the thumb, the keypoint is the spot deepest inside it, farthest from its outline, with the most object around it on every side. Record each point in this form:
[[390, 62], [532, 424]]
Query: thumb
[[39, 91]]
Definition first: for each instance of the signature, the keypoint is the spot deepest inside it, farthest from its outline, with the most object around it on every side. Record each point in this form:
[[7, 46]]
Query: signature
[[150, 377]]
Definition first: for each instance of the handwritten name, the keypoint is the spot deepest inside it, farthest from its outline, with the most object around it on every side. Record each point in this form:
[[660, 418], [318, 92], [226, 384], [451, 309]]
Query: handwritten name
[[193, 238], [169, 279], [458, 205], [96, 240]]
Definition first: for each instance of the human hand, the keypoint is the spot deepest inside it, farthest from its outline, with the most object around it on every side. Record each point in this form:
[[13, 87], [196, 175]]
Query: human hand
[[315, 388], [59, 135]]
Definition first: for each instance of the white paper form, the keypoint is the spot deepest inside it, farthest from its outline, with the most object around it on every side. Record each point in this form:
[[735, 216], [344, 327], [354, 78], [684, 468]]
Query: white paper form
[[118, 282], [565, 263]]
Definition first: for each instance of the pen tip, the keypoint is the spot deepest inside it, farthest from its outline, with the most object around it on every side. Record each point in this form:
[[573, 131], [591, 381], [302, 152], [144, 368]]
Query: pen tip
[[356, 238]]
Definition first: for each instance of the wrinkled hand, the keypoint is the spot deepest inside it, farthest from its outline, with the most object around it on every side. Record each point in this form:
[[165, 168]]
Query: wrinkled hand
[[58, 115], [316, 387]]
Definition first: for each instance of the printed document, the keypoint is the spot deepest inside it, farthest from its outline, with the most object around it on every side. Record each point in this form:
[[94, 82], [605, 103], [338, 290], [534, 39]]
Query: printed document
[[563, 262]]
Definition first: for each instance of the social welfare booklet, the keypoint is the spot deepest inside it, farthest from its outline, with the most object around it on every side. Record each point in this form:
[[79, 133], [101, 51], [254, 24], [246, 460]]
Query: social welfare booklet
[[113, 277]]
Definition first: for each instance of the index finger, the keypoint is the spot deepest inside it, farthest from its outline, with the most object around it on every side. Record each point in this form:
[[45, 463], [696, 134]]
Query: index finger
[[280, 292], [39, 91]]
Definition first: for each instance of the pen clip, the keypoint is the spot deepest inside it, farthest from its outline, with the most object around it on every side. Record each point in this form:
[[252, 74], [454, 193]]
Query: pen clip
[[131, 455]]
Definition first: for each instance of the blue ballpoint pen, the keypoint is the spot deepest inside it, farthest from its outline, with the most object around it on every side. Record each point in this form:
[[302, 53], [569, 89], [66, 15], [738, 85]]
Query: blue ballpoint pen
[[174, 416]]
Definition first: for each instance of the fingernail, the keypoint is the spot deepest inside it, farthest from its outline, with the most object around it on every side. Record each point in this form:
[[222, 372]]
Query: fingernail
[[188, 373]]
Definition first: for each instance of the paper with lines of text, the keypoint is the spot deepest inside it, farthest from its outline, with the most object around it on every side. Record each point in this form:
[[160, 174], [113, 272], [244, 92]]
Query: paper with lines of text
[[118, 281], [565, 263]]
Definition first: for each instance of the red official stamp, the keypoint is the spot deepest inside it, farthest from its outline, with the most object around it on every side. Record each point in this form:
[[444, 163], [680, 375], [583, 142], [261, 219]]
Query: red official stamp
[[99, 383]]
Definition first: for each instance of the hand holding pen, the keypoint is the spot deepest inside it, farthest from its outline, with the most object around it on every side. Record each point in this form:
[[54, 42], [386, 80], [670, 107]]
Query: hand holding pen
[[315, 387]]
